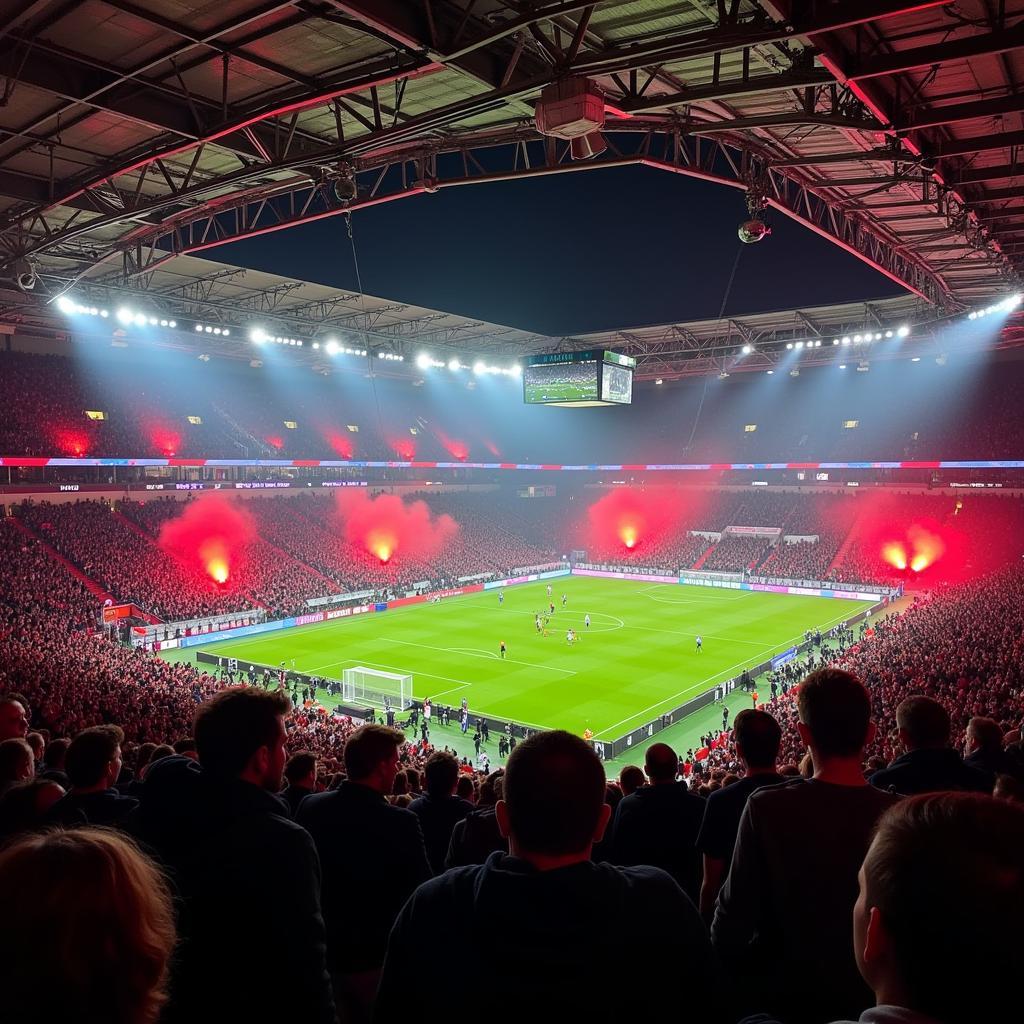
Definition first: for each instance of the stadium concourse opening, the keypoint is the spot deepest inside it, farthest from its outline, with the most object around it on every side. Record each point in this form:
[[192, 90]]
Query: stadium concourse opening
[[397, 616]]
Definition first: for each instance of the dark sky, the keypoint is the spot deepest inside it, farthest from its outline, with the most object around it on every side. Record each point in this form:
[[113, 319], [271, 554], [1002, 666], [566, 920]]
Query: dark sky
[[570, 253]]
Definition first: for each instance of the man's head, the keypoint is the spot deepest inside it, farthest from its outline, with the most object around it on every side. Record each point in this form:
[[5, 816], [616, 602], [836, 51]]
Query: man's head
[[13, 719], [758, 738], [936, 926], [554, 799], [240, 734], [371, 757], [835, 715], [94, 758], [441, 774], [56, 753], [17, 762], [300, 770], [923, 723], [661, 763], [631, 778], [985, 735]]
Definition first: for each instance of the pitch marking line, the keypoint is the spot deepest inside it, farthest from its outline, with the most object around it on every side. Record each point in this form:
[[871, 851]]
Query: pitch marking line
[[449, 650], [696, 687], [473, 650], [566, 616]]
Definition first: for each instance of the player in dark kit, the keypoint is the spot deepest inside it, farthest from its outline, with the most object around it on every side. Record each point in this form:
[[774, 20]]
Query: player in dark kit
[[501, 648]]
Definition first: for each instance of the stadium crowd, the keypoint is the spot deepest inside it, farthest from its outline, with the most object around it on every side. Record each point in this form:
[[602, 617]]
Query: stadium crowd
[[236, 412]]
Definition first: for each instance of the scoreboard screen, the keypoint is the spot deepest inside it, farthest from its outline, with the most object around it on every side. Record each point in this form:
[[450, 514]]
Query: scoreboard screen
[[578, 379]]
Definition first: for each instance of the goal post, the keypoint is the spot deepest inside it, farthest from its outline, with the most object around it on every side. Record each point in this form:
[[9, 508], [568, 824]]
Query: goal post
[[373, 686]]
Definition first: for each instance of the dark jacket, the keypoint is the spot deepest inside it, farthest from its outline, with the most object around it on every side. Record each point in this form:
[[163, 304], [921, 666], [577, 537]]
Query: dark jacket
[[372, 857], [931, 771], [536, 942], [106, 808], [789, 896], [475, 838], [658, 825], [438, 816], [252, 936], [293, 796]]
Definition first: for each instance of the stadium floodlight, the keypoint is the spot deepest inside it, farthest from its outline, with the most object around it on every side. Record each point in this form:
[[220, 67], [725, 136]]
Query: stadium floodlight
[[916, 359], [454, 365], [199, 329], [257, 335], [124, 315], [140, 320], [878, 336], [789, 345], [105, 313], [770, 372], [515, 370], [846, 340], [423, 361], [799, 344], [65, 305], [479, 368], [903, 331], [856, 339], [842, 366], [659, 381], [332, 347], [722, 376], [747, 349], [888, 334], [973, 315], [835, 341]]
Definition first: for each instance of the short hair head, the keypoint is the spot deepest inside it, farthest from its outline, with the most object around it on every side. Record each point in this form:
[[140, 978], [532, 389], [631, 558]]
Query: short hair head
[[923, 722], [91, 752], [234, 724], [631, 778], [946, 874], [661, 763], [16, 761], [441, 773], [836, 709], [367, 747], [986, 733], [554, 793], [758, 737], [299, 765]]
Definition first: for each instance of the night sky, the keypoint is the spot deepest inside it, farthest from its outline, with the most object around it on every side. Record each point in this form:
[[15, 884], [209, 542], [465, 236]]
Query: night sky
[[571, 253]]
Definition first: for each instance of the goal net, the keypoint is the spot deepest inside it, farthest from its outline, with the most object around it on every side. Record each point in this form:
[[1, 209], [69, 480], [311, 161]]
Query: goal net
[[373, 687]]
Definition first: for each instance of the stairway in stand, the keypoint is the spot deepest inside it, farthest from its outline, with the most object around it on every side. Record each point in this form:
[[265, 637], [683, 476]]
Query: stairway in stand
[[87, 581], [703, 558]]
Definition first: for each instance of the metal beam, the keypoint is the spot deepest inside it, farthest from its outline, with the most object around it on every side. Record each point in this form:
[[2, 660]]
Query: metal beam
[[979, 144], [933, 117], [980, 45], [782, 82], [971, 175]]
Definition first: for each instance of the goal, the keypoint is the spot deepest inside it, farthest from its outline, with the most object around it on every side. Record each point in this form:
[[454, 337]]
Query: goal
[[374, 687]]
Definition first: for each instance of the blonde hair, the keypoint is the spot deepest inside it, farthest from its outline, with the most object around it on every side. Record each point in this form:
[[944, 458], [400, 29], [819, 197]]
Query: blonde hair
[[88, 929]]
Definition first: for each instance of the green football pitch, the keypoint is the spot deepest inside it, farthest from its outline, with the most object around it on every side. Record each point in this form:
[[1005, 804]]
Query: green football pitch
[[637, 660]]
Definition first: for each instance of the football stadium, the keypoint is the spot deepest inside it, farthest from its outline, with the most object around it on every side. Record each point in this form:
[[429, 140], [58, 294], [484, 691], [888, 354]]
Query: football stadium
[[483, 482]]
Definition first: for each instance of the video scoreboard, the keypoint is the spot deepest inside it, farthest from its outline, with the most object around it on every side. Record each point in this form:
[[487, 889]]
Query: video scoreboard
[[591, 377]]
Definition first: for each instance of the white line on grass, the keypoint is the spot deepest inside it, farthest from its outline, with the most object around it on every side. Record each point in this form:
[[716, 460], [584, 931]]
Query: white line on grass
[[509, 661], [389, 668], [695, 688], [473, 650]]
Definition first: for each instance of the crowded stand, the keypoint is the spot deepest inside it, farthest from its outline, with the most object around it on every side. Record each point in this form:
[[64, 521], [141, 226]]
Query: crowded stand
[[199, 809], [231, 412]]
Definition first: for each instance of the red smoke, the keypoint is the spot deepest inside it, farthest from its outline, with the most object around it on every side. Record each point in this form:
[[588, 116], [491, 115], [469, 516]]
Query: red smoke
[[341, 444], [72, 442], [212, 534], [456, 449], [164, 439], [385, 525], [628, 518], [275, 442], [404, 448], [920, 549]]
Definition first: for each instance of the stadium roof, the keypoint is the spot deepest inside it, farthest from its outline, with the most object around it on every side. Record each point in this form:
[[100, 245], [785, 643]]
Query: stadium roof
[[133, 131], [194, 291]]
